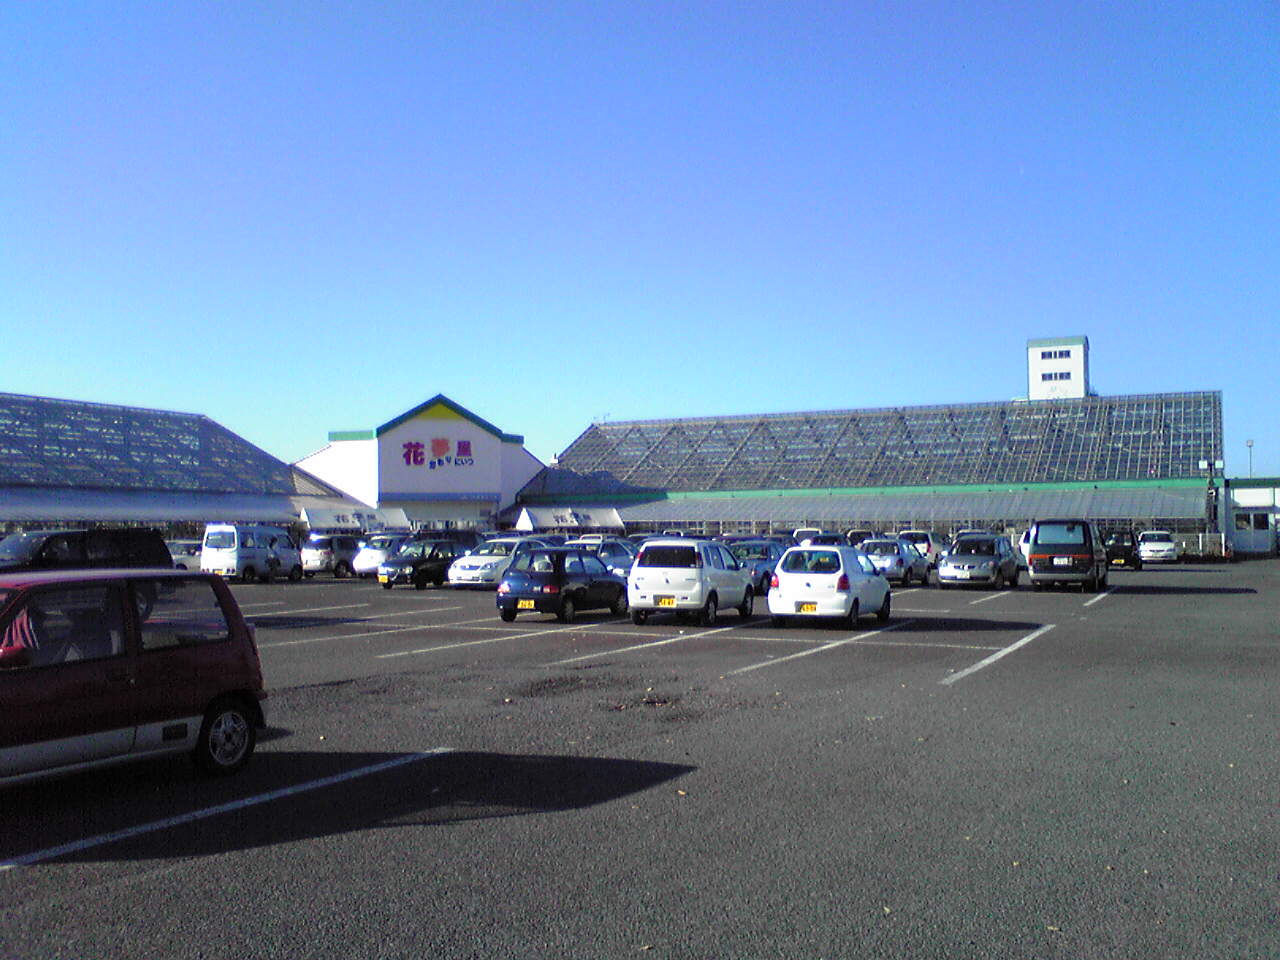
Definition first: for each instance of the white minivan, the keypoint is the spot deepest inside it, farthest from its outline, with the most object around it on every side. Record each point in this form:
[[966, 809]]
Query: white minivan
[[243, 551], [683, 575]]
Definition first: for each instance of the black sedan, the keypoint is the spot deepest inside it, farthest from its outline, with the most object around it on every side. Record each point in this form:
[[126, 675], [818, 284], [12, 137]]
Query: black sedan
[[420, 562], [559, 580], [1122, 550]]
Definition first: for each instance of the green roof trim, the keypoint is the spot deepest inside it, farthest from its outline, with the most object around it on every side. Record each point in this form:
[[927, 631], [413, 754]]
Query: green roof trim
[[460, 410], [1182, 483], [337, 436], [1254, 483], [1058, 342]]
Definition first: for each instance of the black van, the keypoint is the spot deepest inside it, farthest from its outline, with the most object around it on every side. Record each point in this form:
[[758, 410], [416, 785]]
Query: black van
[[68, 549], [1067, 551]]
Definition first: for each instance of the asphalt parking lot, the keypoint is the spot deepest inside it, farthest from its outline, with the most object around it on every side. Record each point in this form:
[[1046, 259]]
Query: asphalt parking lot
[[989, 774]]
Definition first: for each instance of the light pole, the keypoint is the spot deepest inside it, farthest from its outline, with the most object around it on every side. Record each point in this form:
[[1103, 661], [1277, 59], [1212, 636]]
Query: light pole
[[1249, 444]]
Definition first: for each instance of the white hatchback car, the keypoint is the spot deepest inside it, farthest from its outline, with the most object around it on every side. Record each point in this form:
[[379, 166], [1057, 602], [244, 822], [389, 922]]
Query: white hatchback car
[[682, 575], [485, 565], [1157, 546], [827, 581]]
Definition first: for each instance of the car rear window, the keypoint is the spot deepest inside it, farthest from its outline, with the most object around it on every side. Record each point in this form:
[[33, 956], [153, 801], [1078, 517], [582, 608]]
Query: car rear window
[[658, 556], [319, 543], [534, 561], [880, 548], [811, 561], [915, 537], [220, 540], [178, 613], [1061, 533], [1156, 538]]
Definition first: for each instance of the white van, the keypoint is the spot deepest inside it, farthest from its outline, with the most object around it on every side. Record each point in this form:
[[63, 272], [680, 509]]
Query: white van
[[684, 575], [242, 551]]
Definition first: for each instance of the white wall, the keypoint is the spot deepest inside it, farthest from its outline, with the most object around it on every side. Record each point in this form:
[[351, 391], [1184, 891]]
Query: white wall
[[1075, 366], [349, 465]]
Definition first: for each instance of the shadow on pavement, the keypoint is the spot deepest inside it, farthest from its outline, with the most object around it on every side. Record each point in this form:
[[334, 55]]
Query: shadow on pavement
[[426, 791]]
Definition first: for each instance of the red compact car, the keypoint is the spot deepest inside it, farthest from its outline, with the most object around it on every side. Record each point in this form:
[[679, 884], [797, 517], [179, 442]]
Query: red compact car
[[99, 667]]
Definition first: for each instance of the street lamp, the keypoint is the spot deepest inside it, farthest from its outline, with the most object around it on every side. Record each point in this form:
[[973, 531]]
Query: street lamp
[[1249, 444]]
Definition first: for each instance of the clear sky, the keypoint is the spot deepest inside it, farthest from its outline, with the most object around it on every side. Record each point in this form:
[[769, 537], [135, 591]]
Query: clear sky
[[305, 217]]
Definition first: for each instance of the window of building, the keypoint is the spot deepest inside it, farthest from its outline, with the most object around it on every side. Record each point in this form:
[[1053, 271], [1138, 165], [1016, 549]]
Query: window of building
[[1055, 354], [1056, 375]]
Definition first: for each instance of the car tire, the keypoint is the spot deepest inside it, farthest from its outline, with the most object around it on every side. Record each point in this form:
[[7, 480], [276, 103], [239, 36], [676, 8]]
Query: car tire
[[248, 574], [438, 581], [310, 574], [1012, 582], [710, 611], [420, 584], [227, 738], [851, 618], [748, 604], [508, 614], [906, 579], [883, 613], [567, 610], [619, 607], [295, 574], [386, 586], [638, 617]]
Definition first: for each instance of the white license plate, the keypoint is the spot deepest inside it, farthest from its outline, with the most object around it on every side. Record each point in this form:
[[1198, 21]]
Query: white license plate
[[1062, 561], [960, 574]]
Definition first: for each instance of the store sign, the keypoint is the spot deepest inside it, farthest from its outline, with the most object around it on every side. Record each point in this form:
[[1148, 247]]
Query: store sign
[[445, 453]]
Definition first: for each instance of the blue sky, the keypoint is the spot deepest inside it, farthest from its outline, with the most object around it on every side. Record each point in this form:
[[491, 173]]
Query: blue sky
[[304, 217]]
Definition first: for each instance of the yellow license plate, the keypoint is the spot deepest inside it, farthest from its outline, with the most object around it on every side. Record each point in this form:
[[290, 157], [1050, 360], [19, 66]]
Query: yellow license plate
[[382, 578], [524, 605], [666, 601], [806, 608]]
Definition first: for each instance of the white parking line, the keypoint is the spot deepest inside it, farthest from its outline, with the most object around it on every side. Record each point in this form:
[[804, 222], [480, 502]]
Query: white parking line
[[476, 643], [1101, 596], [997, 655], [130, 832], [640, 646], [990, 596], [294, 613], [826, 646], [351, 636], [265, 603]]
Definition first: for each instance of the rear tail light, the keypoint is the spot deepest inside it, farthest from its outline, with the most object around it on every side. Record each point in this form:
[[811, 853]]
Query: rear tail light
[[550, 588], [843, 582], [504, 587], [773, 582]]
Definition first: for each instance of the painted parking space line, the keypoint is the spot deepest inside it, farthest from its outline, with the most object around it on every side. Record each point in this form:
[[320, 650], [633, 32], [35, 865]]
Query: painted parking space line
[[981, 664], [88, 843], [990, 596], [640, 646], [265, 603], [1101, 596], [820, 649], [294, 613], [347, 636], [898, 609], [476, 643]]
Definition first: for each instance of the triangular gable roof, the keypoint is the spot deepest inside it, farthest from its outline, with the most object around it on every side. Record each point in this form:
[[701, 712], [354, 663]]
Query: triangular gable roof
[[460, 410]]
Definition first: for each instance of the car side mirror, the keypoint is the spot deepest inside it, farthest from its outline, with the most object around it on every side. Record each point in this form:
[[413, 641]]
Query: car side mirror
[[13, 657]]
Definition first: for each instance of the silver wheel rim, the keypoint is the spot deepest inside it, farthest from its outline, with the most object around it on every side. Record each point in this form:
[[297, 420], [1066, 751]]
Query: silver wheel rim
[[228, 737]]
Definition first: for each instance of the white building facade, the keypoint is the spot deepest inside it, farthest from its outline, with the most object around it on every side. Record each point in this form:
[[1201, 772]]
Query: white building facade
[[1058, 368], [439, 463]]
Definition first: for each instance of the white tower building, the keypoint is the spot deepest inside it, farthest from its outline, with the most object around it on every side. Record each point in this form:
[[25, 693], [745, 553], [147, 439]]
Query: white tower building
[[1058, 368]]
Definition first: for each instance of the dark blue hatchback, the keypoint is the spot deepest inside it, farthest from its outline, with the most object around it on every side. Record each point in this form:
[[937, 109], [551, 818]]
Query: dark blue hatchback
[[562, 581]]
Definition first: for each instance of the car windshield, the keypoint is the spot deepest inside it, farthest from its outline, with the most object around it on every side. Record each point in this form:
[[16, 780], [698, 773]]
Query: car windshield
[[382, 543], [413, 550], [811, 561], [880, 548], [973, 548], [668, 556], [1156, 537], [319, 543], [1060, 533], [494, 548], [220, 540], [751, 551]]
